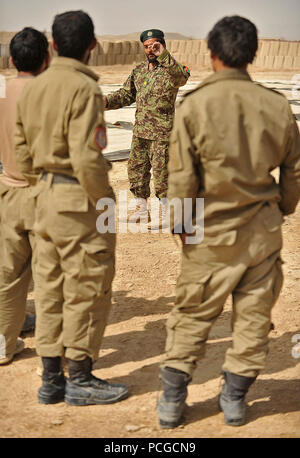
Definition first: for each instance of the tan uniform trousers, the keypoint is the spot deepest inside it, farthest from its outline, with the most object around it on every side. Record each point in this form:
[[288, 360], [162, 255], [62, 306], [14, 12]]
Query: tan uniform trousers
[[245, 263], [16, 248], [75, 269]]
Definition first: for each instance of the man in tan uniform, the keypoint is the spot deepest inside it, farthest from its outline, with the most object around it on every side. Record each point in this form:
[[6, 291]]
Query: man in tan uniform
[[228, 135], [60, 135], [29, 51]]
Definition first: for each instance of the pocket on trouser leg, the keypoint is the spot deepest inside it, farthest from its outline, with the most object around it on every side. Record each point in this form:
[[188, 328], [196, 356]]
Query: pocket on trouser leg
[[187, 331], [88, 311], [96, 272], [252, 306]]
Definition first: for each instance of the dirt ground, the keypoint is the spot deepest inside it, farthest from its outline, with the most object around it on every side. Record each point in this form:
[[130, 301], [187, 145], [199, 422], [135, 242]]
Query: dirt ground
[[143, 295]]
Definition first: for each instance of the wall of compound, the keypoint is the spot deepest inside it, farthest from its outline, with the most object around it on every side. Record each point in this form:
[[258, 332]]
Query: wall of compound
[[271, 54]]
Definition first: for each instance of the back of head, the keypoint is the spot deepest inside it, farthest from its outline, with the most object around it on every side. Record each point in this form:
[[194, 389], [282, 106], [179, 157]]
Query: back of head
[[233, 40], [72, 33], [28, 50]]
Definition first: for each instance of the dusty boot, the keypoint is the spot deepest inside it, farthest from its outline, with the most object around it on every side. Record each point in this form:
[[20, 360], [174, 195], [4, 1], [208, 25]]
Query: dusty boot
[[39, 370], [84, 389], [160, 218], [53, 388], [141, 214], [171, 403], [29, 323], [164, 205], [4, 358], [232, 398]]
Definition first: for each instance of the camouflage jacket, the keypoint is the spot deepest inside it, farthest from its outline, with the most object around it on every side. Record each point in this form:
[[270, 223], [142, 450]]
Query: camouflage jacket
[[154, 92]]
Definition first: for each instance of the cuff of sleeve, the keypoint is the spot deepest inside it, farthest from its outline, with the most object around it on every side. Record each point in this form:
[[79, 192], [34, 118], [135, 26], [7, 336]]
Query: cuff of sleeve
[[163, 56]]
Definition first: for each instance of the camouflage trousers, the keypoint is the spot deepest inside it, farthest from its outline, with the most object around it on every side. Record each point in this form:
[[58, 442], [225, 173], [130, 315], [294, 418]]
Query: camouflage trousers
[[146, 154]]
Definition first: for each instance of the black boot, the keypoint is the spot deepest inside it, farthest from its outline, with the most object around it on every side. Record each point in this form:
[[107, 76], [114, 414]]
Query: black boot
[[232, 398], [53, 388], [84, 389], [171, 404]]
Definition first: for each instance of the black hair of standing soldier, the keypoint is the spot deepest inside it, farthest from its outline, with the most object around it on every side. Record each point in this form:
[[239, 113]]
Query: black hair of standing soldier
[[28, 49], [234, 41], [73, 32]]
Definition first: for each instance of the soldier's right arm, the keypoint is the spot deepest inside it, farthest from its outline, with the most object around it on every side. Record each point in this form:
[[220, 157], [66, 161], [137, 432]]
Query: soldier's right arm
[[23, 158], [124, 96], [289, 181], [86, 141]]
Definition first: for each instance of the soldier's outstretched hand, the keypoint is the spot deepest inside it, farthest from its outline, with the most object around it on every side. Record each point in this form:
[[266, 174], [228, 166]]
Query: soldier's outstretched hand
[[157, 48]]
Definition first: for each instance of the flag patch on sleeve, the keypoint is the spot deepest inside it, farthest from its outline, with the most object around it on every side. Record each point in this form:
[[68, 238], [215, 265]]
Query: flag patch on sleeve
[[100, 137]]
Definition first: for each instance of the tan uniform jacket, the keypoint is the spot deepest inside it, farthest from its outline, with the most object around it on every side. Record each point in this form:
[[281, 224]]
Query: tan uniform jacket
[[8, 112], [61, 129], [228, 135]]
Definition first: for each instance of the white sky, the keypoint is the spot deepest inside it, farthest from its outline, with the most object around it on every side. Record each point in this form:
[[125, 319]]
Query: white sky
[[273, 18]]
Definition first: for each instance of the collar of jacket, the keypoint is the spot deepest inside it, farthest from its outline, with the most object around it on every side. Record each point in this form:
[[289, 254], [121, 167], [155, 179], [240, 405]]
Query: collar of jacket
[[230, 74], [74, 64]]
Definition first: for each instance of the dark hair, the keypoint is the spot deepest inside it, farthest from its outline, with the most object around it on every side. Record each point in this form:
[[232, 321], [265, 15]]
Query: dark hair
[[28, 49], [73, 32], [234, 40]]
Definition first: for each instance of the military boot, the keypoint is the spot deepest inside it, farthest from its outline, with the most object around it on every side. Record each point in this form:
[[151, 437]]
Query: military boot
[[232, 398], [83, 388], [171, 403], [141, 213], [53, 388], [162, 221]]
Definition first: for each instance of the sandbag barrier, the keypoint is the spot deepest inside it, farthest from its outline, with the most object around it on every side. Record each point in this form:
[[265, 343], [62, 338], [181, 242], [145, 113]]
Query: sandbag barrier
[[271, 55]]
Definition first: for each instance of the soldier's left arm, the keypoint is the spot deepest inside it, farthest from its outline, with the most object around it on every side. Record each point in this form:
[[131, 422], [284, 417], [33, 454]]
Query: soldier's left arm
[[86, 140], [23, 158], [179, 73], [183, 172]]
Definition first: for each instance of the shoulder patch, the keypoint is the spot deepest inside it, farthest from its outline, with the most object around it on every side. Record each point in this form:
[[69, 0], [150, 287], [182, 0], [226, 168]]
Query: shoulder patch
[[186, 69], [100, 137]]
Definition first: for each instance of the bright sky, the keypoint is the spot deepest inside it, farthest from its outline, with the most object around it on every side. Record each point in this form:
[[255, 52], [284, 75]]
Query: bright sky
[[273, 18]]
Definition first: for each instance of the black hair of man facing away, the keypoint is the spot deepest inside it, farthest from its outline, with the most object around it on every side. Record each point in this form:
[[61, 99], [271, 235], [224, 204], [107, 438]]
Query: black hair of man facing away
[[234, 41], [28, 50], [29, 54], [73, 34], [229, 135], [75, 263]]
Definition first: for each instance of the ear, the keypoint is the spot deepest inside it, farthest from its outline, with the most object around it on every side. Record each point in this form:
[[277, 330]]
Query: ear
[[93, 44], [47, 59], [213, 56], [53, 44]]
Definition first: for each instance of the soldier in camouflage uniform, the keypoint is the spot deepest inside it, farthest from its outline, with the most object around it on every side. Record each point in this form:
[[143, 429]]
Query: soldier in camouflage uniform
[[153, 85]]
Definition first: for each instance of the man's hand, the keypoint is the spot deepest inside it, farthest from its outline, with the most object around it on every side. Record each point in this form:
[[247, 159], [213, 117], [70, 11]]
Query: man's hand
[[157, 48]]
